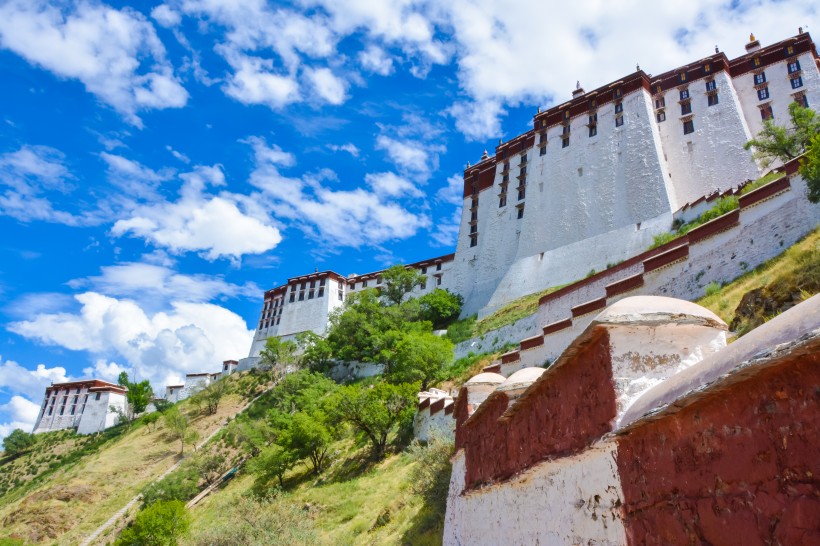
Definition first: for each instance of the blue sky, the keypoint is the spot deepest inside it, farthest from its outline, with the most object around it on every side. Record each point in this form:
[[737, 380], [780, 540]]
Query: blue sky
[[162, 164]]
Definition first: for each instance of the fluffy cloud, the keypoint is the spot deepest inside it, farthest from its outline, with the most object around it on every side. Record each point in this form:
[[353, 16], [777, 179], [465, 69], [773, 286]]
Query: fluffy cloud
[[151, 282], [116, 54], [327, 86], [109, 371], [392, 185], [349, 148], [453, 191], [30, 383], [375, 59], [187, 337], [214, 225], [18, 413], [345, 217]]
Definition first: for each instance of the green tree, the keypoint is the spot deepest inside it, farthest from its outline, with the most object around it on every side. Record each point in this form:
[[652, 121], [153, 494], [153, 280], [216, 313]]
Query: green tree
[[18, 442], [273, 462], [356, 328], [139, 395], [810, 169], [309, 436], [376, 410], [212, 395], [420, 356], [316, 352], [441, 307], [151, 419], [785, 142], [280, 356], [399, 281], [161, 524], [301, 391], [179, 428]]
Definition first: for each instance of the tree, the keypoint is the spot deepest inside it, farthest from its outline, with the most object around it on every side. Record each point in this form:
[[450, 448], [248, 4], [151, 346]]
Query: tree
[[420, 356], [279, 355], [18, 442], [273, 462], [440, 307], [376, 410], [810, 169], [777, 142], [356, 328], [151, 419], [398, 281], [308, 435], [179, 428], [139, 395], [161, 524], [211, 395], [316, 352]]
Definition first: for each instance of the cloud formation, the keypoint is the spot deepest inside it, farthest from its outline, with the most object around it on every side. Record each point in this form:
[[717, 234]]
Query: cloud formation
[[116, 54]]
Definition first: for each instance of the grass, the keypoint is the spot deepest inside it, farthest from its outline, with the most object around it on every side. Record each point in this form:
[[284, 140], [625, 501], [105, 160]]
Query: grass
[[721, 207], [762, 181], [355, 501], [514, 311], [794, 272], [84, 491]]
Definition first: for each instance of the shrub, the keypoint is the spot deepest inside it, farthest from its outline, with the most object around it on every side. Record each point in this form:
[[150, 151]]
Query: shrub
[[712, 288], [180, 485], [161, 524]]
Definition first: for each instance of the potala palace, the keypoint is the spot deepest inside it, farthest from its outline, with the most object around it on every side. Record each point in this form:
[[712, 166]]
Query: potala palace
[[591, 184]]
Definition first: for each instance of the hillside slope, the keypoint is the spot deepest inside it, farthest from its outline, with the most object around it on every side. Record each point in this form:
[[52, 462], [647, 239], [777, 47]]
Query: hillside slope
[[79, 494]]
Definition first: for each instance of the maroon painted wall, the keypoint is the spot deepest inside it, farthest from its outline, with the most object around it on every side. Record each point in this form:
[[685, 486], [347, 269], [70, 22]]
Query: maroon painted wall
[[739, 465]]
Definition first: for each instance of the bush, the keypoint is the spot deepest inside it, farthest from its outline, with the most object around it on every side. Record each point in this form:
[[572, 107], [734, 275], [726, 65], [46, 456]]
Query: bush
[[461, 330], [430, 477], [440, 307], [180, 485], [712, 288], [18, 442], [161, 524]]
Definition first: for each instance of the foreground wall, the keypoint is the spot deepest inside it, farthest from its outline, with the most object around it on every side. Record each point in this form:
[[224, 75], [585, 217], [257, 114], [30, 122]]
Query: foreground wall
[[722, 451]]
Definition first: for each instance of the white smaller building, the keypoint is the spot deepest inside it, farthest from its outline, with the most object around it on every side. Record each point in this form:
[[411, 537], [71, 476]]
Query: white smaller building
[[86, 406], [173, 393], [228, 367]]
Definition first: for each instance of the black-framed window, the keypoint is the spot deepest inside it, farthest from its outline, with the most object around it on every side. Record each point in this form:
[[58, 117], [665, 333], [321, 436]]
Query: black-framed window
[[685, 108], [522, 193], [763, 93], [473, 240], [802, 100], [688, 127], [712, 100], [619, 107], [711, 85], [794, 66], [660, 102], [544, 150], [760, 78], [661, 117], [565, 142], [520, 213], [593, 130], [797, 82], [766, 112], [502, 201], [684, 94], [619, 121]]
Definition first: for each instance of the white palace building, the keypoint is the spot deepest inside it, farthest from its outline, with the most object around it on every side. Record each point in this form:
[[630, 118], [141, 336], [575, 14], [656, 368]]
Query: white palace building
[[591, 183]]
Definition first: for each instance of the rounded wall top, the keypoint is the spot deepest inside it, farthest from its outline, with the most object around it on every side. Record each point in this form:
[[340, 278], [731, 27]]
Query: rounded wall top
[[650, 310], [521, 379], [486, 378]]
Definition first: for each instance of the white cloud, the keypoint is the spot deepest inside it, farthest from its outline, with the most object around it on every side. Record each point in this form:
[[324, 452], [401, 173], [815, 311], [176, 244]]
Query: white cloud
[[108, 371], [165, 16], [327, 86], [214, 225], [445, 231], [116, 54], [255, 82], [135, 179], [179, 155], [27, 178], [453, 191], [349, 148], [150, 282], [342, 218], [375, 59], [187, 337], [392, 185], [19, 413], [16, 379]]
